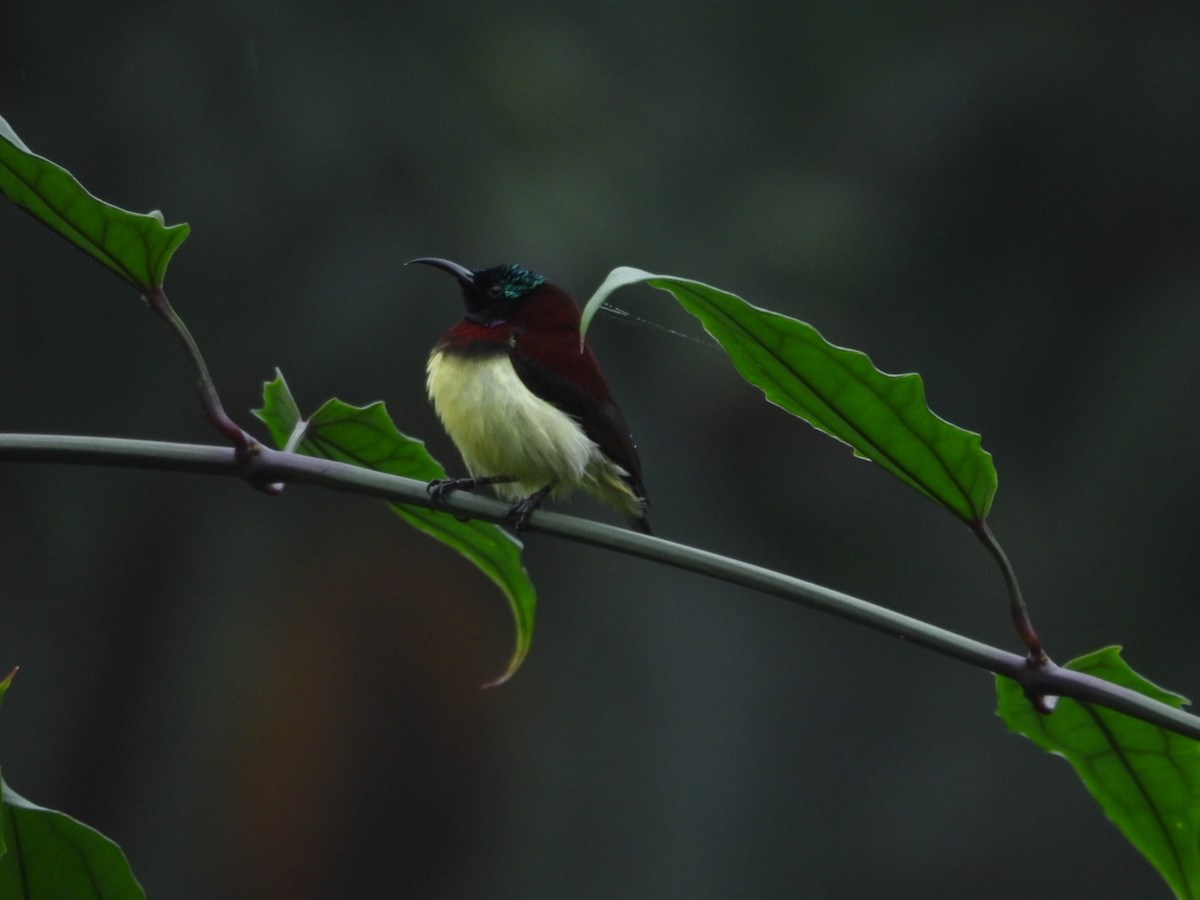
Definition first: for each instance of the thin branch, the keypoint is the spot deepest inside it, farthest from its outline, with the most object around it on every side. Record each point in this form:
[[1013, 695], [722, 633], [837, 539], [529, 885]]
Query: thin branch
[[267, 466]]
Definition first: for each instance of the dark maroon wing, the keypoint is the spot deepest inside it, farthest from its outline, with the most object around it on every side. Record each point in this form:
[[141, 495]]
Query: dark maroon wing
[[584, 396]]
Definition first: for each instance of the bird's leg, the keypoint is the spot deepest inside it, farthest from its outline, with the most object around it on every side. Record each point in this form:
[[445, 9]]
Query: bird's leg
[[440, 488], [518, 516]]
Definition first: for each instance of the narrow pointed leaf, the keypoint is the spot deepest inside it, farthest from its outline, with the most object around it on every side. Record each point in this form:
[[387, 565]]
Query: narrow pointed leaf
[[366, 436], [882, 417], [137, 246], [1146, 779], [279, 411]]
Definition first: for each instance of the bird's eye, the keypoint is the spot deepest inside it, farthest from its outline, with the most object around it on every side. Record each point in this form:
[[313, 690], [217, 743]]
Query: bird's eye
[[495, 290]]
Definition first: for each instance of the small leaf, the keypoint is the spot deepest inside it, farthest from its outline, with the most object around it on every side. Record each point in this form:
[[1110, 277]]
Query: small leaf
[[6, 682], [279, 411], [1146, 779], [366, 436], [883, 418], [46, 855], [51, 856], [136, 246]]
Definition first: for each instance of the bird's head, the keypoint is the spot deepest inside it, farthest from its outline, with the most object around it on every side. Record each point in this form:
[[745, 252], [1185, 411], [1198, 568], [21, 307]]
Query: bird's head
[[504, 294]]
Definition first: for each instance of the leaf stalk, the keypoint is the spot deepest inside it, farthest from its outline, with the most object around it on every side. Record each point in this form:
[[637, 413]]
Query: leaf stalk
[[242, 442]]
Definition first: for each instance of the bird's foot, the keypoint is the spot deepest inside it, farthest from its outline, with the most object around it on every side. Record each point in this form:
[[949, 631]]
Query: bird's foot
[[518, 516], [441, 488]]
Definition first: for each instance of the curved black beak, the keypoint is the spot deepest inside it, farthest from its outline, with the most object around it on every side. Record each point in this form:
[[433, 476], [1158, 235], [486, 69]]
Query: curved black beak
[[465, 276]]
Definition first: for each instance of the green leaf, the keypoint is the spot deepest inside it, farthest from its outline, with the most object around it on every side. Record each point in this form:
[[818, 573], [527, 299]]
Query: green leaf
[[51, 856], [137, 246], [1146, 779], [4, 685], [883, 418], [366, 436], [279, 411], [46, 855]]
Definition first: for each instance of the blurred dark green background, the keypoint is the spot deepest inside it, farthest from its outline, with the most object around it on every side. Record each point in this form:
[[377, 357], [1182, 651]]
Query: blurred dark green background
[[278, 698]]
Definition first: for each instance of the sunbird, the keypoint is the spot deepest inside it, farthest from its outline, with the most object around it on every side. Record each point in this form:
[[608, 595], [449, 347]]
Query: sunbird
[[524, 400]]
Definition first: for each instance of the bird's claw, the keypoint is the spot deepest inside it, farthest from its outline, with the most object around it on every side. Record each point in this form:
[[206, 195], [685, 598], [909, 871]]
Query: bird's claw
[[441, 488], [518, 516]]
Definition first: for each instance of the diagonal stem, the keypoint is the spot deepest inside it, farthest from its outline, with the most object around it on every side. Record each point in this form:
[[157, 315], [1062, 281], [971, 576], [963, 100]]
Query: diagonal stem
[[268, 465], [265, 466], [1016, 601], [242, 442]]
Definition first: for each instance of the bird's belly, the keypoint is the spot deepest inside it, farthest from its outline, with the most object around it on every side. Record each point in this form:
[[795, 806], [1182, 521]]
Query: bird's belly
[[502, 428]]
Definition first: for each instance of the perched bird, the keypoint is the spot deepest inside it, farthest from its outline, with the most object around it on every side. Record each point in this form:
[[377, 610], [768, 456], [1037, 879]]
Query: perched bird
[[525, 403]]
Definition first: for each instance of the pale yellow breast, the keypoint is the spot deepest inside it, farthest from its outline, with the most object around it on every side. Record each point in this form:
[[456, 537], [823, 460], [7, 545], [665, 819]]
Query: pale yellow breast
[[501, 428]]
